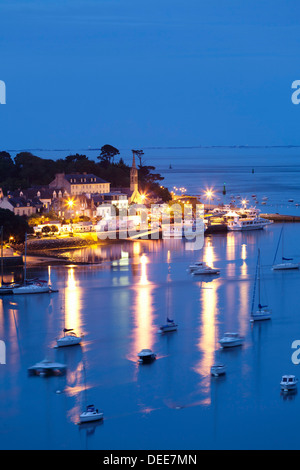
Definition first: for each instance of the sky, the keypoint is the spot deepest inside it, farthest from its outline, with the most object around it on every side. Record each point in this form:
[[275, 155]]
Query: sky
[[83, 73]]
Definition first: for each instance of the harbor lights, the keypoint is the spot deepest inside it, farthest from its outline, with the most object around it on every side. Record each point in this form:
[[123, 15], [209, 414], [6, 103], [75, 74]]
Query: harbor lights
[[209, 195], [244, 203]]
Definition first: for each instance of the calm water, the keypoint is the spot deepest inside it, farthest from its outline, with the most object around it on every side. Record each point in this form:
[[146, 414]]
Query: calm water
[[172, 403]]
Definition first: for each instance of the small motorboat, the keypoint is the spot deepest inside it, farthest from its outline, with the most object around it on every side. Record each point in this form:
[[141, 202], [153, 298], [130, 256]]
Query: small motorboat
[[291, 200], [205, 270], [90, 414], [146, 356], [47, 368], [169, 326], [218, 369], [196, 265], [288, 382], [69, 339], [231, 340]]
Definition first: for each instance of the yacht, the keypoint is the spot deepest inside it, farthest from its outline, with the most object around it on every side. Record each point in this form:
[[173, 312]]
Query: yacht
[[247, 223], [69, 339], [285, 262], [46, 368], [196, 265], [231, 340], [205, 270], [90, 414], [263, 312], [169, 326], [35, 288], [288, 382], [146, 356], [30, 286], [218, 369]]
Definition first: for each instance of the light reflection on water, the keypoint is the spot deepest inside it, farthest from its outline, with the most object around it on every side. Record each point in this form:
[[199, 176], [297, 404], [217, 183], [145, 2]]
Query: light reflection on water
[[144, 330]]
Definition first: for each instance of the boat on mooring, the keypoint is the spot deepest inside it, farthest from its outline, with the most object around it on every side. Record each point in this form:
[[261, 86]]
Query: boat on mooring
[[167, 327], [47, 368], [91, 413], [231, 340], [206, 270], [263, 312], [69, 337], [146, 356], [31, 287], [286, 263], [288, 383]]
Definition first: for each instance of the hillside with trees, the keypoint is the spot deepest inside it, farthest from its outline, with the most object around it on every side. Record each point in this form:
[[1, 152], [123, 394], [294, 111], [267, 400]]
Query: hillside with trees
[[27, 170]]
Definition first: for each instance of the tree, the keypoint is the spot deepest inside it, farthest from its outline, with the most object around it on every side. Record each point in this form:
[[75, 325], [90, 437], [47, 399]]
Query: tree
[[14, 226], [108, 153], [46, 230], [53, 228], [139, 154], [6, 165]]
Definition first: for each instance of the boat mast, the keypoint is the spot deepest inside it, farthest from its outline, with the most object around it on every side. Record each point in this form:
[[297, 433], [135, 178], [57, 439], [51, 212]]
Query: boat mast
[[253, 297], [278, 246]]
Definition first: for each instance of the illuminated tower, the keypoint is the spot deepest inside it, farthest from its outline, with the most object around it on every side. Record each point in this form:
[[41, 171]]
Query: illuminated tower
[[134, 185], [134, 182]]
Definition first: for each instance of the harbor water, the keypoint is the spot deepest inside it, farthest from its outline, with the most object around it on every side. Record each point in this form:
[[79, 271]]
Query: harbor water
[[118, 305]]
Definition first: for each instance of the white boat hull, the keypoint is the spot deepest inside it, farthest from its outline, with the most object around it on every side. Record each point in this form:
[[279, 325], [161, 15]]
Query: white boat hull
[[68, 341], [261, 315], [31, 289], [205, 271], [218, 369], [167, 328], [288, 387], [285, 266], [88, 416], [231, 343], [245, 228]]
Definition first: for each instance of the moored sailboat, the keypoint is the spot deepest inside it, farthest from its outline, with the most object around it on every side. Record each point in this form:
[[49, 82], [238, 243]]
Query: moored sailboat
[[30, 287], [90, 413], [286, 262], [263, 312]]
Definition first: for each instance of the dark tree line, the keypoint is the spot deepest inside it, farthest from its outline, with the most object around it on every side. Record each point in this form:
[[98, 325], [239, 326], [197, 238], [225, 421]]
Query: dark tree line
[[27, 170]]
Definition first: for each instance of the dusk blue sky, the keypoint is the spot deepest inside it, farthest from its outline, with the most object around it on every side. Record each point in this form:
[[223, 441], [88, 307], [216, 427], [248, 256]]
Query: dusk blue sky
[[132, 73]]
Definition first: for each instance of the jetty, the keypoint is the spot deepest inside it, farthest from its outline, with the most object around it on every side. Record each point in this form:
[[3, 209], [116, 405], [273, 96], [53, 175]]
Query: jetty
[[281, 218]]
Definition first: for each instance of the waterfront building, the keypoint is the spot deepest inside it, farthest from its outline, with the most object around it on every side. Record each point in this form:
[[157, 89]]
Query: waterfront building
[[76, 184], [21, 206]]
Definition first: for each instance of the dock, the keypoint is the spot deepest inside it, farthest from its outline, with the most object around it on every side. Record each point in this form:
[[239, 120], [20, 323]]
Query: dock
[[281, 218]]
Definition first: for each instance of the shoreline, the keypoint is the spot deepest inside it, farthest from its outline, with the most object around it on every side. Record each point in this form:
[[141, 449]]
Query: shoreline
[[50, 251]]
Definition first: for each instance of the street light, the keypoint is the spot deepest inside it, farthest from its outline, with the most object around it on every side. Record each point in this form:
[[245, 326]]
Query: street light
[[209, 194], [70, 203]]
